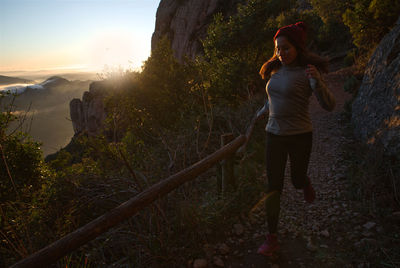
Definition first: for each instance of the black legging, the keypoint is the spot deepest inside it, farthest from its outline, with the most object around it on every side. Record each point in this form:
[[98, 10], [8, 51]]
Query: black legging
[[278, 148]]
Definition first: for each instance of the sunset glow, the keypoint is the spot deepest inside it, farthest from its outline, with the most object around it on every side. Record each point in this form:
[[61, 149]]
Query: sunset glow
[[115, 48], [88, 35]]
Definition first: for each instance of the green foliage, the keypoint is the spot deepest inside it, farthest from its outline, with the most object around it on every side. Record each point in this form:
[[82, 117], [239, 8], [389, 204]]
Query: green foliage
[[351, 84], [163, 86], [370, 20], [157, 98], [21, 166], [333, 35], [23, 161], [350, 58], [236, 47], [329, 10], [22, 175]]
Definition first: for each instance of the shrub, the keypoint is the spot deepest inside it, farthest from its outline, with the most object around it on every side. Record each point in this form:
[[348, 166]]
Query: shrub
[[370, 20]]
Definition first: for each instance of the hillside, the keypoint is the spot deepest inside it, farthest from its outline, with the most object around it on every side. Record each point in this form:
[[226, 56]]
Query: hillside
[[130, 175], [7, 80]]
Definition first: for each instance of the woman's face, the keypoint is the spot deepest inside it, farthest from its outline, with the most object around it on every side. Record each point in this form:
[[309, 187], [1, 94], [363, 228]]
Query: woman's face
[[286, 52]]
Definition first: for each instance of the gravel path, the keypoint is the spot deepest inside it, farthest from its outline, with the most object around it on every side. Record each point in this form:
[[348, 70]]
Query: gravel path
[[333, 231]]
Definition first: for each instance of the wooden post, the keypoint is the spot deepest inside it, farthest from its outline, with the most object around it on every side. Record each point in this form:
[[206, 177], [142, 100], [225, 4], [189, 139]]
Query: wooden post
[[81, 236], [228, 178]]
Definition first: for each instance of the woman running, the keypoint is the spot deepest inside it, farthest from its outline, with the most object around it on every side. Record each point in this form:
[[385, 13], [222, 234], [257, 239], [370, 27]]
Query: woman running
[[293, 74]]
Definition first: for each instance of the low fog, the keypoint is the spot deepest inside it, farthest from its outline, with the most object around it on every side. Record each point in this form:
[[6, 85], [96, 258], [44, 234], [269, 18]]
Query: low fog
[[44, 111]]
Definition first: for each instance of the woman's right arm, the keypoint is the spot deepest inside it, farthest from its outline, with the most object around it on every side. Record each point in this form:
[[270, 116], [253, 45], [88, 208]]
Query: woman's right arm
[[321, 91], [324, 95]]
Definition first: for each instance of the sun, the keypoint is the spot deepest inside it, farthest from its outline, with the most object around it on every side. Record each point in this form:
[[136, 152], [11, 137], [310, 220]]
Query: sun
[[116, 49]]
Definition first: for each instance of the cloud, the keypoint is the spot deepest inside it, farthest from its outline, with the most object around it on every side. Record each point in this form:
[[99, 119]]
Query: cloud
[[20, 88], [37, 87], [14, 88]]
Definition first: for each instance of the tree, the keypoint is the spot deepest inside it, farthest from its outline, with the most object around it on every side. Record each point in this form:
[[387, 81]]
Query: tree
[[333, 34], [237, 46], [370, 20], [21, 165], [163, 88]]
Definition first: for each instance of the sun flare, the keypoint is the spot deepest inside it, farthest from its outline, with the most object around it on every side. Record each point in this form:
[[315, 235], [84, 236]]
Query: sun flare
[[113, 49]]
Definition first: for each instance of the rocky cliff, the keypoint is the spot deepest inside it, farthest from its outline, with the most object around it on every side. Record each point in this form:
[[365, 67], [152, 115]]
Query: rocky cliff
[[376, 109], [88, 114], [185, 23]]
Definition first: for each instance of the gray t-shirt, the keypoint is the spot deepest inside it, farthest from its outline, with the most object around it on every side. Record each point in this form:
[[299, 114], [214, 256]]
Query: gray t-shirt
[[289, 93]]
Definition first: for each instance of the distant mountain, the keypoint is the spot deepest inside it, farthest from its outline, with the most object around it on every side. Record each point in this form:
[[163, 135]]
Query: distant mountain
[[7, 80], [48, 84], [55, 81], [52, 82]]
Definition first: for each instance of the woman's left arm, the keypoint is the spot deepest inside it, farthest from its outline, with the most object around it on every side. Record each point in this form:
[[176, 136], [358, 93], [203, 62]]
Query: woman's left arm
[[321, 91]]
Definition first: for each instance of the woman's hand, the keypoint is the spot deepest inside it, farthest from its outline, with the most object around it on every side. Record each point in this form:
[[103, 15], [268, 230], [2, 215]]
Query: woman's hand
[[312, 72], [261, 113]]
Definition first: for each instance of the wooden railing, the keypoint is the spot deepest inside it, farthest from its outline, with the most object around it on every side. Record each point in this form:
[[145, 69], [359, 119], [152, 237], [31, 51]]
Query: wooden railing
[[81, 236]]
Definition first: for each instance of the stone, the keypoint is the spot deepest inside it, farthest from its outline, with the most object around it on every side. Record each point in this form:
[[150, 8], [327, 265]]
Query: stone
[[311, 246], [365, 241], [218, 261], [396, 214], [257, 235], [325, 233], [238, 229], [200, 263], [376, 108], [223, 249], [394, 217], [208, 250], [369, 225], [367, 234]]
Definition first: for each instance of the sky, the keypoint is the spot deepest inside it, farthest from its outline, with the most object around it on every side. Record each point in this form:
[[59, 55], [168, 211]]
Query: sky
[[86, 35]]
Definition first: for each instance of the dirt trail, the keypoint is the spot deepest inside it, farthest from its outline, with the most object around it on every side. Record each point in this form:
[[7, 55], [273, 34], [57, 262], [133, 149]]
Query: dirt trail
[[310, 235]]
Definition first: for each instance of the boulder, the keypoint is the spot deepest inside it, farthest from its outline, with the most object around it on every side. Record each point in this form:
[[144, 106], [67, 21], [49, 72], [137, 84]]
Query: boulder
[[376, 109]]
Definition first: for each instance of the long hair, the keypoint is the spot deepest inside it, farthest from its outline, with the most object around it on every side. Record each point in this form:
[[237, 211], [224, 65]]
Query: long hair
[[304, 57]]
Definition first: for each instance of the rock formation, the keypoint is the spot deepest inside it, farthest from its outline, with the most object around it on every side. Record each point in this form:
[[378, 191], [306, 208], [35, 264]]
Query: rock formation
[[376, 109], [185, 23], [88, 114]]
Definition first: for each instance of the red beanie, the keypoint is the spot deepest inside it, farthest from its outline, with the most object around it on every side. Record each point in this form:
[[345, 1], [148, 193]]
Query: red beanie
[[296, 32]]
